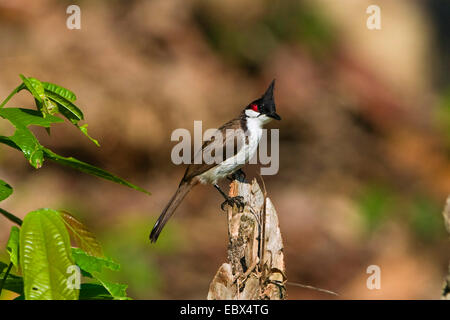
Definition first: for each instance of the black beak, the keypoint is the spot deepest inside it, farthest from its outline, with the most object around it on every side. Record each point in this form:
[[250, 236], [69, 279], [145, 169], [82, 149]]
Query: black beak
[[274, 115]]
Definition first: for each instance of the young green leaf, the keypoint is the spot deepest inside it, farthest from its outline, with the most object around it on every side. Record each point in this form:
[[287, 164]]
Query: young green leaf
[[34, 86], [117, 290], [23, 137], [65, 105], [92, 264], [83, 129], [57, 95], [27, 117], [45, 256], [77, 164], [71, 112], [63, 92], [82, 166], [50, 107], [84, 239], [29, 145], [5, 190], [12, 246], [75, 120]]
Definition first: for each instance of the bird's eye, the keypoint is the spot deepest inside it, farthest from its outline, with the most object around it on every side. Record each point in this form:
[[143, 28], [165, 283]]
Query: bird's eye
[[254, 107]]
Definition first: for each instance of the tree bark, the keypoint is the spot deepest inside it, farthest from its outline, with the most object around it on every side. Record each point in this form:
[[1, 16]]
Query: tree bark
[[255, 269]]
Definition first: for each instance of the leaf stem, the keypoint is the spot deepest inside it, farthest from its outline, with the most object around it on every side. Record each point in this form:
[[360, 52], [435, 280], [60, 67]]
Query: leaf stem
[[11, 95], [6, 276], [11, 217]]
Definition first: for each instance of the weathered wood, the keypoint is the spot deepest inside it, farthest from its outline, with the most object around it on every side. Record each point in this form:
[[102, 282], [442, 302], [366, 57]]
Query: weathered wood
[[255, 269]]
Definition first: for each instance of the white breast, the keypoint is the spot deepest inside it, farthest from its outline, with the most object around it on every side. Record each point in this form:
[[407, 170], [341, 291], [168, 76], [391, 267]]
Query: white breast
[[230, 165]]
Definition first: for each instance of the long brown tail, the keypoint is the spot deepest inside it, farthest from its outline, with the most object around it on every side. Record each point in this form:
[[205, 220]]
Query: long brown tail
[[168, 211]]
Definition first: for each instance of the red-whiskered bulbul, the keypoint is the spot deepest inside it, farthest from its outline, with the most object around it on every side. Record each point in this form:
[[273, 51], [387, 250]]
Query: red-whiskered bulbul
[[250, 121]]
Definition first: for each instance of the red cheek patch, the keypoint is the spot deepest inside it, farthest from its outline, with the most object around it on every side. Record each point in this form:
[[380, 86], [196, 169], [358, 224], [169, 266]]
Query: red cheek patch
[[254, 107]]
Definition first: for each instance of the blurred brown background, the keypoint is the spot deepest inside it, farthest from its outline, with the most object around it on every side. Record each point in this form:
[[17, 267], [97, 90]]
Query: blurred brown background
[[364, 140]]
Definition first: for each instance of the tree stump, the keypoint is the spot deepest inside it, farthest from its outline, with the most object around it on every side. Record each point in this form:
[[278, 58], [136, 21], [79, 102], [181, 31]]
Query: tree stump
[[255, 269]]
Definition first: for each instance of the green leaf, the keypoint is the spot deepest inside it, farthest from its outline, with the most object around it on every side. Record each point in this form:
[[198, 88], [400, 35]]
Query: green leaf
[[93, 291], [82, 166], [83, 129], [13, 282], [29, 145], [12, 246], [63, 92], [91, 263], [27, 117], [45, 256], [50, 107], [23, 137], [84, 239], [5, 190], [64, 98], [69, 110], [40, 106], [35, 87], [77, 164], [94, 266], [117, 290], [74, 118]]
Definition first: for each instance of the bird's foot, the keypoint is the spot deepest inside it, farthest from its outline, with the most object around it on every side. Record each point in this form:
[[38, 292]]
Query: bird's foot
[[238, 201]]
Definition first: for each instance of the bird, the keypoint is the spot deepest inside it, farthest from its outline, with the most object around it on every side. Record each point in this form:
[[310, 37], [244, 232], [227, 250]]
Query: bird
[[248, 127]]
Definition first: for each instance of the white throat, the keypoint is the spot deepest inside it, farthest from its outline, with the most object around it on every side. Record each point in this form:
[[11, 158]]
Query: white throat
[[256, 119]]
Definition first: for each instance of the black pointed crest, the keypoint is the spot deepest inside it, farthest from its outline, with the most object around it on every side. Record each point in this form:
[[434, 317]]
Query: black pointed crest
[[267, 103], [267, 98]]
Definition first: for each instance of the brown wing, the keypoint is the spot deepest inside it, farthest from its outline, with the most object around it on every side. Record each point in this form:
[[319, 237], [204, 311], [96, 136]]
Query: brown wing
[[196, 169]]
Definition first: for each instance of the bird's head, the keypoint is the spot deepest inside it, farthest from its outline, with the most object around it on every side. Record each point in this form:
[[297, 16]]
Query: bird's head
[[264, 107]]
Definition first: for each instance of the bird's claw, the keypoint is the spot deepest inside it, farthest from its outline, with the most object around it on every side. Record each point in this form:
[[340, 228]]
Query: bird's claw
[[238, 201]]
